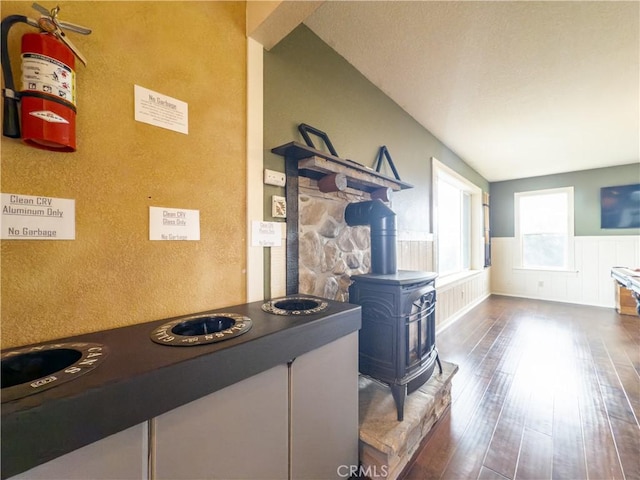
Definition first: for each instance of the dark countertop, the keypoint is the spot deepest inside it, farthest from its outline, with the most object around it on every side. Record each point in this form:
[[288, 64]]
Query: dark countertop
[[140, 379]]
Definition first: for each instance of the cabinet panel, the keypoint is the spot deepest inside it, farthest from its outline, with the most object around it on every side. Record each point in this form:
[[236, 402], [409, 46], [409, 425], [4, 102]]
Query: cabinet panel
[[324, 410], [239, 432], [119, 456]]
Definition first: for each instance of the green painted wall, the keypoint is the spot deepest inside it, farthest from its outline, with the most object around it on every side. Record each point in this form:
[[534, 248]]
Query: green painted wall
[[305, 81], [586, 183]]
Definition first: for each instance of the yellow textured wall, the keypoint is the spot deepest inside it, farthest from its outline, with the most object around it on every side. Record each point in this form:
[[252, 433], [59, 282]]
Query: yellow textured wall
[[112, 274]]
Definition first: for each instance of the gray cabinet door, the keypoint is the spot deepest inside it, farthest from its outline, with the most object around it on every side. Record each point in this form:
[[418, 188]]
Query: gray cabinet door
[[119, 456], [239, 432], [324, 411]]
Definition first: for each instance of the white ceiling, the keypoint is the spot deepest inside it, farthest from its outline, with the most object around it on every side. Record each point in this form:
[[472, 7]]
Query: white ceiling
[[516, 89]]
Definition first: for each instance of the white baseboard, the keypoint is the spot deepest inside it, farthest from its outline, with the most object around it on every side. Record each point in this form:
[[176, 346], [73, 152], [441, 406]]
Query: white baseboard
[[456, 316], [533, 297]]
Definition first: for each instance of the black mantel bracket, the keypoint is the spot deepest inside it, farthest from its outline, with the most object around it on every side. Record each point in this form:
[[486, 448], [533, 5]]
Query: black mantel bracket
[[316, 164], [305, 161]]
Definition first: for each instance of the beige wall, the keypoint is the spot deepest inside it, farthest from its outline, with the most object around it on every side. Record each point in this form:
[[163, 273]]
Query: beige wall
[[258, 12], [112, 275]]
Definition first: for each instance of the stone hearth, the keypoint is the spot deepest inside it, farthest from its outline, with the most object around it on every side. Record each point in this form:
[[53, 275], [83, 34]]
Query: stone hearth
[[386, 445]]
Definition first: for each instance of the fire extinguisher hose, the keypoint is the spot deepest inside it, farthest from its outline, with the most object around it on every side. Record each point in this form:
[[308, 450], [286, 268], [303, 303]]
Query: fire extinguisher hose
[[11, 120]]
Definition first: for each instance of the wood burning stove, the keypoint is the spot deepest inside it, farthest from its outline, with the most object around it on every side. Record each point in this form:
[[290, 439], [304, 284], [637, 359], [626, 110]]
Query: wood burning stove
[[397, 338]]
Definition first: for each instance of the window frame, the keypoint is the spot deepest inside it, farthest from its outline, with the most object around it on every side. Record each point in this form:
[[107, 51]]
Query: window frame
[[476, 237], [569, 264]]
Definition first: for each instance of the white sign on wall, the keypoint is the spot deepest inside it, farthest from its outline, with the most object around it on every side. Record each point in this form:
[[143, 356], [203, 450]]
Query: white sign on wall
[[161, 110], [266, 234], [173, 224], [28, 217]]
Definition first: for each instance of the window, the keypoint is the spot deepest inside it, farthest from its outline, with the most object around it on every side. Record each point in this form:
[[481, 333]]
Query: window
[[457, 221], [544, 228]]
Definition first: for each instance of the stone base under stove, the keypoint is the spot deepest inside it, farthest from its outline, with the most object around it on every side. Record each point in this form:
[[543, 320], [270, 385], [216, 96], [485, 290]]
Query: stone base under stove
[[386, 445]]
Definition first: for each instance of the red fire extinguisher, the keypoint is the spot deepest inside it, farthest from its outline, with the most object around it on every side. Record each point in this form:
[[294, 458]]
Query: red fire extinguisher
[[48, 95]]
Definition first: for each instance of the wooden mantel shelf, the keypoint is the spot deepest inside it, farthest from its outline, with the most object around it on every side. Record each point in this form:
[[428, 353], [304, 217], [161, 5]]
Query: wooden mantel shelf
[[315, 164]]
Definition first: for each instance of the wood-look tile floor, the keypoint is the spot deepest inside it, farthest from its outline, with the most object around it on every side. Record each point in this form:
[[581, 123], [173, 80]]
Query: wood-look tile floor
[[545, 391]]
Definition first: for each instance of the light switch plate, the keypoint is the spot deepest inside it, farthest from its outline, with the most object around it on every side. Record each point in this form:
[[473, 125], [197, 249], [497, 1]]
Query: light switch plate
[[278, 207]]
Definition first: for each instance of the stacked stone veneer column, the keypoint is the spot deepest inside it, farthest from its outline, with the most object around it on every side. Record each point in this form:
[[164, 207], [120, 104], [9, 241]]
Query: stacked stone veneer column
[[329, 250]]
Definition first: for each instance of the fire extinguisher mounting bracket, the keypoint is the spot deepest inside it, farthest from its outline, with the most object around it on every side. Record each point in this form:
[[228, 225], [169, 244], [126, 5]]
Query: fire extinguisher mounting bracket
[[8, 93]]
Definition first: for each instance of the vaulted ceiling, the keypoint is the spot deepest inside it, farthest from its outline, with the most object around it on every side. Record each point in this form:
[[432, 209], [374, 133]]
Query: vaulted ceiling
[[515, 88]]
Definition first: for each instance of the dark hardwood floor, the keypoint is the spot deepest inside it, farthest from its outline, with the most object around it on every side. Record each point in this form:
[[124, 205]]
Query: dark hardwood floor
[[544, 391]]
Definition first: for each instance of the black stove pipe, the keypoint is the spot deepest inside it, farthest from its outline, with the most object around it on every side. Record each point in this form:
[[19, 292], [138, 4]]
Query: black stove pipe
[[383, 232]]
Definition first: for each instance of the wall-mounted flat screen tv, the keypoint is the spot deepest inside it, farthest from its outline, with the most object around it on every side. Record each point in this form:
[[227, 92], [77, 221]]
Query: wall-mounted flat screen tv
[[620, 206]]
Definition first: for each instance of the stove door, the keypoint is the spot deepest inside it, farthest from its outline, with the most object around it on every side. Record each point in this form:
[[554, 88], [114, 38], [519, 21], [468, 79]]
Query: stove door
[[420, 324]]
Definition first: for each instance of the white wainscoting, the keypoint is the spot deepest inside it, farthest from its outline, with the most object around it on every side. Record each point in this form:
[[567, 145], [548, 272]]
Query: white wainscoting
[[589, 284], [415, 255], [457, 297]]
